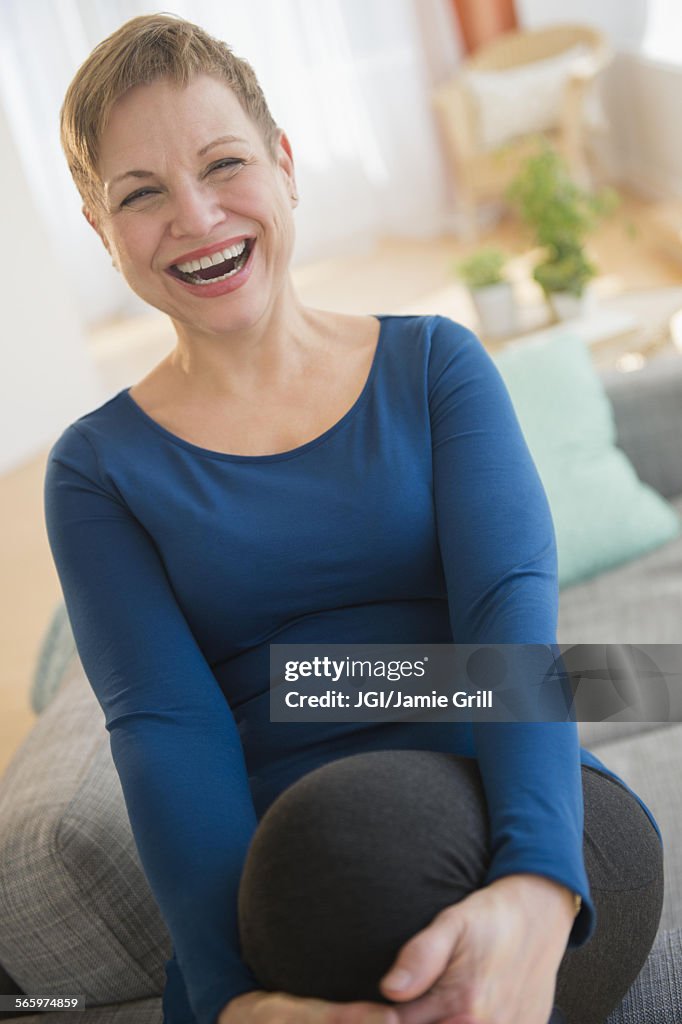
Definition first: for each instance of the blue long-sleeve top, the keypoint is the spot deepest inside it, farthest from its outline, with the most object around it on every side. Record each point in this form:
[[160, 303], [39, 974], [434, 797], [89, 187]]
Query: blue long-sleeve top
[[418, 517]]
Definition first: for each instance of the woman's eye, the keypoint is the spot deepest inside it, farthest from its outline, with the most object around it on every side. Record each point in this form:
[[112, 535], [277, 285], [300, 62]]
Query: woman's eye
[[138, 195], [227, 163]]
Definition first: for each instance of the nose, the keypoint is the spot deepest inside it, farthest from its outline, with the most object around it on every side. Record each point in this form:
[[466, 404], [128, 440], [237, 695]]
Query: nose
[[195, 211]]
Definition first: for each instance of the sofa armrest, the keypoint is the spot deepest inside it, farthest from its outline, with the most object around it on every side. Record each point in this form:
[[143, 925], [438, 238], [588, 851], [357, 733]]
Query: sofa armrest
[[647, 409], [77, 913]]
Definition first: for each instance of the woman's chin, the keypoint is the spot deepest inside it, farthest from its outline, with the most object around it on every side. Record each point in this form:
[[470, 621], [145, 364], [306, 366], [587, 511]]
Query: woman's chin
[[233, 311], [218, 318]]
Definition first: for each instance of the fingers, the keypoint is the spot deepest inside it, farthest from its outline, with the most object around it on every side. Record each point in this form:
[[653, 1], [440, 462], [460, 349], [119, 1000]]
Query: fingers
[[294, 1010], [424, 958], [435, 1008], [357, 1013]]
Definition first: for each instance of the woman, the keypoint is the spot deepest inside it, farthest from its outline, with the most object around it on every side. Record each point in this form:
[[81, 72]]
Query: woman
[[291, 475]]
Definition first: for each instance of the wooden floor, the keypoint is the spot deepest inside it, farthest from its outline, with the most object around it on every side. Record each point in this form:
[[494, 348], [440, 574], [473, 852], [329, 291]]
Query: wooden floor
[[397, 274]]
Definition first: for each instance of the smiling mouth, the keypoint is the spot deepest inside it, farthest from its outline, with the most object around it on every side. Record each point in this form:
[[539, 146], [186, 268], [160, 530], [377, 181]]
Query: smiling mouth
[[216, 267]]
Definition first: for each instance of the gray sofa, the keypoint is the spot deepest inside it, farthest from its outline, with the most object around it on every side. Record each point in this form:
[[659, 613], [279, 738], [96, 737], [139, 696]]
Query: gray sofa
[[76, 914]]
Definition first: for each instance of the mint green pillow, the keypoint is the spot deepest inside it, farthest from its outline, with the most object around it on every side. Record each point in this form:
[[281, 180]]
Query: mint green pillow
[[603, 514]]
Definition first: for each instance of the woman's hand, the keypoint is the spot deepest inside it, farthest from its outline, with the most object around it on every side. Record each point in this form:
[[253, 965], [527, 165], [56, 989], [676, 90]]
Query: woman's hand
[[492, 958], [280, 1008]]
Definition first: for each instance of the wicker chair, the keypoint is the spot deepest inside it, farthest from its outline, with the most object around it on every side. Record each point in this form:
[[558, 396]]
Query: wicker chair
[[482, 173]]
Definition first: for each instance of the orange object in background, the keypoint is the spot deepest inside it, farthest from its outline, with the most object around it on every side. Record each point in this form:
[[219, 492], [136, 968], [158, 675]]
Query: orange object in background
[[482, 20]]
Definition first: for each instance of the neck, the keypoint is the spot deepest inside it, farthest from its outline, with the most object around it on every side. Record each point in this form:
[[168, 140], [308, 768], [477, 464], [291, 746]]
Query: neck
[[266, 354]]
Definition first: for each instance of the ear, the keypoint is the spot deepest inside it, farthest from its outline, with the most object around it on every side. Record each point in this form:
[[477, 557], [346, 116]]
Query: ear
[[285, 160], [92, 221]]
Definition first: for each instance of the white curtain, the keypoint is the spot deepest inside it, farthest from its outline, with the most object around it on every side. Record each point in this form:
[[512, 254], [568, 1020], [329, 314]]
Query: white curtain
[[663, 39], [349, 81]]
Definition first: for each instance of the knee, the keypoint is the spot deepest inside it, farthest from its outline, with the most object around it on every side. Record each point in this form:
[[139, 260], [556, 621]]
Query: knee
[[622, 848], [397, 809], [354, 859], [624, 865]]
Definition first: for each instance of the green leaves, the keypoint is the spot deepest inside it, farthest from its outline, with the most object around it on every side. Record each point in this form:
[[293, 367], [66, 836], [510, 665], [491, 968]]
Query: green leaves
[[565, 271], [482, 268], [560, 214]]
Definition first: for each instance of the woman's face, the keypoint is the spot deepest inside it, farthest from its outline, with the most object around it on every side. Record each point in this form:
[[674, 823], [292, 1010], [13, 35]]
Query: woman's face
[[188, 181]]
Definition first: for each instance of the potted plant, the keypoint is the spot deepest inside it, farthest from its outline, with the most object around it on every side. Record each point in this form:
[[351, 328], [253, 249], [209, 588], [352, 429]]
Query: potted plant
[[561, 215], [563, 277], [492, 294]]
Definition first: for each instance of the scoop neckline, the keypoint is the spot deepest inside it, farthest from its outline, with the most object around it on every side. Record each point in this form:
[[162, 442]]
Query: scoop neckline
[[275, 456]]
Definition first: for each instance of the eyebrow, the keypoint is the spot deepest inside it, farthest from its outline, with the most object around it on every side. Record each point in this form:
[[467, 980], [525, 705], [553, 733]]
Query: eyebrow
[[202, 152]]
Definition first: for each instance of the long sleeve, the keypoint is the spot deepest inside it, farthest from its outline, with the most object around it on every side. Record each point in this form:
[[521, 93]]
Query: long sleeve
[[173, 737], [498, 550]]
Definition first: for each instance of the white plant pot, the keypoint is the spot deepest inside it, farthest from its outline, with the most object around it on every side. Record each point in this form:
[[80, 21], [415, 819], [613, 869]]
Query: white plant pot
[[568, 306], [496, 309]]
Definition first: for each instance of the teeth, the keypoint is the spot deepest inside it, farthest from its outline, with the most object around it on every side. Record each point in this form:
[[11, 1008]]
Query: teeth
[[235, 270], [212, 261]]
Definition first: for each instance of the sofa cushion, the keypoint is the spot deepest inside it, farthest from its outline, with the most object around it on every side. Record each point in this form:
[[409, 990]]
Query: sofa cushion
[[656, 995], [640, 602], [594, 734], [647, 409], [77, 912], [603, 514], [57, 650]]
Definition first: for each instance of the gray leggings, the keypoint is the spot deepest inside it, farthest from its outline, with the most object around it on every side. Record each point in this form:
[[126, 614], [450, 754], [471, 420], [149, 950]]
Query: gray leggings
[[359, 855]]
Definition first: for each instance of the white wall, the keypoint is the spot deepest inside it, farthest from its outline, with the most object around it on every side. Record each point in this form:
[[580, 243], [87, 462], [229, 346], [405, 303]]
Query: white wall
[[641, 97], [47, 378], [622, 21]]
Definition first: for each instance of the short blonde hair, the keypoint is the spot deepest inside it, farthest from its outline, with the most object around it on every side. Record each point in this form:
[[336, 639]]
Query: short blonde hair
[[142, 50]]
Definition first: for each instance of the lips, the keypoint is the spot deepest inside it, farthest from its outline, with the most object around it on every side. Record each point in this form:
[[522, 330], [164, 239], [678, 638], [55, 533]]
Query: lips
[[213, 280], [219, 265]]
